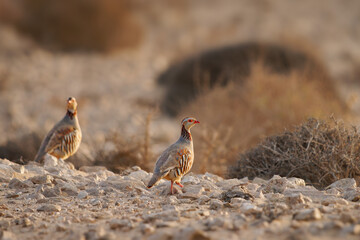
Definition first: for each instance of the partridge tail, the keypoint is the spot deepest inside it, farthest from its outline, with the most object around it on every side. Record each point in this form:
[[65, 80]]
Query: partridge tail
[[39, 157], [155, 178]]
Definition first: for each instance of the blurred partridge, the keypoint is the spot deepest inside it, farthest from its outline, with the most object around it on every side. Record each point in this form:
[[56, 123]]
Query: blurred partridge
[[64, 138], [176, 160]]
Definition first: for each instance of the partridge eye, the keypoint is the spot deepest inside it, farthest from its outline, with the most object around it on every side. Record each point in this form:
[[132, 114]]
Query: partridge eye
[[190, 120]]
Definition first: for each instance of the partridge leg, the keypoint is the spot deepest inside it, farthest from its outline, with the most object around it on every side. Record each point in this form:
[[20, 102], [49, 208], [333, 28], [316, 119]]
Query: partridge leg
[[179, 184], [171, 187]]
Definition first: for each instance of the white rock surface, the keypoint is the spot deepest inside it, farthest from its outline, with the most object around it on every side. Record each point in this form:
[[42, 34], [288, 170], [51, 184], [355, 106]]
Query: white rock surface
[[94, 203]]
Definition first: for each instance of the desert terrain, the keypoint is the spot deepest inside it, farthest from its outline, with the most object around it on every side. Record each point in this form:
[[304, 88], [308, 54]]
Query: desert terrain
[[294, 60]]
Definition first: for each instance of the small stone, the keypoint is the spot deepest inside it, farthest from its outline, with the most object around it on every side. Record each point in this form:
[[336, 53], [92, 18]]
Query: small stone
[[248, 208], [356, 229], [167, 215], [82, 195], [146, 228], [95, 202], [26, 222], [215, 204], [60, 227], [51, 192], [17, 184], [333, 191], [308, 215], [6, 171], [49, 208], [172, 200], [69, 189], [334, 200], [95, 191], [188, 179], [276, 185], [352, 195], [295, 199], [347, 218], [192, 192], [42, 179], [203, 199], [237, 200], [140, 175], [18, 168], [212, 177], [229, 183], [343, 184], [295, 182], [228, 195], [215, 223], [352, 229], [50, 161], [120, 223]]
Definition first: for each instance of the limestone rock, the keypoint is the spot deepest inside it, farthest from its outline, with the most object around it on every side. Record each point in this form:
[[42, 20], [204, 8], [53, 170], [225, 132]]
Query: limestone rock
[[49, 208], [343, 184], [308, 214], [17, 184], [215, 204], [42, 179]]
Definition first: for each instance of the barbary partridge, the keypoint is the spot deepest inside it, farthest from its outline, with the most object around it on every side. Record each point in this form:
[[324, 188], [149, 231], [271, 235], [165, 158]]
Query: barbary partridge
[[177, 159], [64, 138]]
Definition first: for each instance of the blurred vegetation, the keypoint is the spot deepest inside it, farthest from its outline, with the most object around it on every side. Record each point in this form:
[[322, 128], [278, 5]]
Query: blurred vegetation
[[185, 80], [75, 24], [320, 152], [238, 116]]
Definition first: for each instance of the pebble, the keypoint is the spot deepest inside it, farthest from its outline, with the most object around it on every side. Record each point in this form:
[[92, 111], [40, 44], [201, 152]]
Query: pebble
[[17, 184], [343, 184], [82, 195], [42, 179], [120, 224], [49, 208], [215, 204], [308, 215]]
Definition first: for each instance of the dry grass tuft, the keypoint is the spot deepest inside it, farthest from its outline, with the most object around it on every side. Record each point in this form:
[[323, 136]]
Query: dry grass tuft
[[238, 116], [320, 152], [185, 80], [76, 24], [120, 152]]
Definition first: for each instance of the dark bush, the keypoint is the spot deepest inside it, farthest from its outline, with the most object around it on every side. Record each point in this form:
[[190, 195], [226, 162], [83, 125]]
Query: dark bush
[[317, 151], [184, 80]]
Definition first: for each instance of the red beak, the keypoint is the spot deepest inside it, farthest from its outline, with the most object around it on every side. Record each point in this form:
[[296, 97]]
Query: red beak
[[196, 121]]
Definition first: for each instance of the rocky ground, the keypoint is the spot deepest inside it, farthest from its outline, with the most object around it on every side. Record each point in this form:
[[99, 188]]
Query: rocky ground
[[56, 201]]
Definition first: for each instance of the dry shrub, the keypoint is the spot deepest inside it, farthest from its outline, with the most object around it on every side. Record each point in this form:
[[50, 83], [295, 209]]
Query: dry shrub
[[121, 152], [78, 24], [320, 152], [236, 117], [184, 80]]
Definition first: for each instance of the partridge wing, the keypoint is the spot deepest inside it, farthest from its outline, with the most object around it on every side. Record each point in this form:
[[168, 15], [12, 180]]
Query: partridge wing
[[176, 159], [63, 139]]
